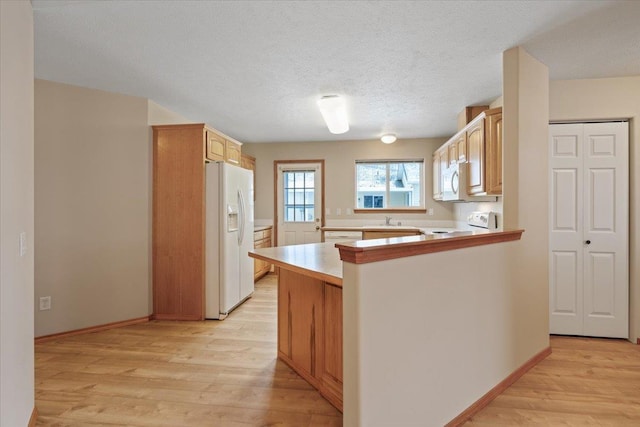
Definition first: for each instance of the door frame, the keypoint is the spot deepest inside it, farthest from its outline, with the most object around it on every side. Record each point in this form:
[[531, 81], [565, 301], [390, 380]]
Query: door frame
[[276, 164]]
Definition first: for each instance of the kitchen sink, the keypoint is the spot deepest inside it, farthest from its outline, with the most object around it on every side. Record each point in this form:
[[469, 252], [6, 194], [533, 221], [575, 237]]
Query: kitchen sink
[[388, 227]]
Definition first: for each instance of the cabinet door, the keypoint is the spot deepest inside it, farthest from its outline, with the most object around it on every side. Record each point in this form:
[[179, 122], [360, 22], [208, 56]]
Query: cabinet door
[[494, 153], [475, 155], [178, 222], [461, 141], [300, 323], [332, 371], [437, 192], [215, 146], [453, 153], [232, 152], [444, 160]]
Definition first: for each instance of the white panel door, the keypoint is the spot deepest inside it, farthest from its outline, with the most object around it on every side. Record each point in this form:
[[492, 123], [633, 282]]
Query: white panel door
[[565, 229], [606, 230], [299, 202], [588, 236]]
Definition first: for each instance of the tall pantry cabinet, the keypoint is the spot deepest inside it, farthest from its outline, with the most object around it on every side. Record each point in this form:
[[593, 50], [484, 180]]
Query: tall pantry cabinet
[[179, 155]]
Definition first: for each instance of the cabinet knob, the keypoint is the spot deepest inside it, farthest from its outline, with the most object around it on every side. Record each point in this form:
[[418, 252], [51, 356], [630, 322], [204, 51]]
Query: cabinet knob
[[587, 242]]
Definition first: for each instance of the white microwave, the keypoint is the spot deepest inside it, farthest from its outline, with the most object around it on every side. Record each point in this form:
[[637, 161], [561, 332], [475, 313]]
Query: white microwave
[[454, 185]]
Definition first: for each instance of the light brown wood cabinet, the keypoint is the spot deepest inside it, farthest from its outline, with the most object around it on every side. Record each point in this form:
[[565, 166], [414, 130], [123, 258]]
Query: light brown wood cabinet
[[332, 370], [178, 223], [232, 152], [222, 149], [493, 151], [475, 157], [460, 139], [215, 146], [310, 331], [437, 177], [479, 144], [453, 153], [300, 324], [261, 239]]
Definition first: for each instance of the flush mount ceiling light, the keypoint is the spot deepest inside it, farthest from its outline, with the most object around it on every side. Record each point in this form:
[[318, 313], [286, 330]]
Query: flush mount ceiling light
[[388, 138], [334, 113]]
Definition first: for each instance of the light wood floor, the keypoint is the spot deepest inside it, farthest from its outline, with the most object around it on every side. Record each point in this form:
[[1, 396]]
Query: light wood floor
[[584, 382], [179, 374], [225, 374]]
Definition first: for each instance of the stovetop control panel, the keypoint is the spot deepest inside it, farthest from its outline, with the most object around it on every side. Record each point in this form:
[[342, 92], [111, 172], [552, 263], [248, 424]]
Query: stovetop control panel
[[487, 220]]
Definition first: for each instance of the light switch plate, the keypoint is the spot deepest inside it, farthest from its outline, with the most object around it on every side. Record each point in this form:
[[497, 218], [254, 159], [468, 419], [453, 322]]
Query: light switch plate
[[23, 243]]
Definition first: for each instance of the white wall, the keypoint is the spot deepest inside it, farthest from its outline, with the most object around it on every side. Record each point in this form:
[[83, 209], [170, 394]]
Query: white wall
[[614, 98], [16, 213], [92, 192], [426, 336], [525, 194], [340, 157]]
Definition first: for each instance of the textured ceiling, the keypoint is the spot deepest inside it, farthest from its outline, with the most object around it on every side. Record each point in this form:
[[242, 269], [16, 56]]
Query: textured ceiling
[[254, 69]]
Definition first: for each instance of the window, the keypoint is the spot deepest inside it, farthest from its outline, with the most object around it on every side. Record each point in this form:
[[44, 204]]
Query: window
[[389, 184], [299, 195]]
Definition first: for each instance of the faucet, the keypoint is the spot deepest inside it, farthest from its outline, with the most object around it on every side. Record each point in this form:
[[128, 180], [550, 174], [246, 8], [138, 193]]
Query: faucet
[[387, 220]]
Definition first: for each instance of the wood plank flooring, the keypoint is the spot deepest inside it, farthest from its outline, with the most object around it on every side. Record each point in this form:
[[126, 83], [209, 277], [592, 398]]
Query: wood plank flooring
[[165, 373], [584, 382], [225, 374]]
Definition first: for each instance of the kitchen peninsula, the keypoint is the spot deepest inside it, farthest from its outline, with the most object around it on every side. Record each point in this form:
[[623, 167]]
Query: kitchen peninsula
[[401, 335], [310, 313]]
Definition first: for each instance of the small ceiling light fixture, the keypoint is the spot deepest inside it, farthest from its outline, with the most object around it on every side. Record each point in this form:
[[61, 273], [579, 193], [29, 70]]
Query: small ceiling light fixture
[[334, 113], [388, 138]]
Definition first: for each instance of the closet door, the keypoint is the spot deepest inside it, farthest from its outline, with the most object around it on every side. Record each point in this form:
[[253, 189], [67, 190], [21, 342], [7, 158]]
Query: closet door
[[588, 236]]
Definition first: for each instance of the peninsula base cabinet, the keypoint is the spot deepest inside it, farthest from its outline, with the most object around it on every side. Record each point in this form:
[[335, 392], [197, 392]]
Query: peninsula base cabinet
[[310, 331]]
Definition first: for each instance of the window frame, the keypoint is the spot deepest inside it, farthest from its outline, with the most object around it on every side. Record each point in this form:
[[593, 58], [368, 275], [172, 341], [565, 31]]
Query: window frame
[[418, 209], [304, 189]]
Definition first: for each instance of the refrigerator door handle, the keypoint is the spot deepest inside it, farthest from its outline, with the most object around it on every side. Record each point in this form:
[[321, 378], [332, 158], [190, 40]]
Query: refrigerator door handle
[[242, 219]]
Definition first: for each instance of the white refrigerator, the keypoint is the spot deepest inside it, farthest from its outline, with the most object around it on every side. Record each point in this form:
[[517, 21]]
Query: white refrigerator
[[229, 238]]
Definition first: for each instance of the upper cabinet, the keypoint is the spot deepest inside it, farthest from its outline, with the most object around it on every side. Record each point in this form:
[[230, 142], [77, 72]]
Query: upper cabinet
[[460, 140], [493, 150], [479, 143], [437, 176], [222, 149], [475, 156], [215, 146], [232, 152]]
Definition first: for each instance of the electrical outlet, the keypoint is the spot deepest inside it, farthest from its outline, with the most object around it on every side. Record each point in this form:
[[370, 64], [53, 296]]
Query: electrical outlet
[[338, 211], [430, 211], [45, 303]]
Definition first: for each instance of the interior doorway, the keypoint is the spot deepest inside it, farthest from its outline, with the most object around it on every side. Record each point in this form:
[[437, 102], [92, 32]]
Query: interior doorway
[[299, 201], [589, 229]]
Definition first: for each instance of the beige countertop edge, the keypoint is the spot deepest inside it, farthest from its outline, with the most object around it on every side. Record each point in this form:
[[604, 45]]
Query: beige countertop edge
[[262, 227], [365, 251], [324, 264]]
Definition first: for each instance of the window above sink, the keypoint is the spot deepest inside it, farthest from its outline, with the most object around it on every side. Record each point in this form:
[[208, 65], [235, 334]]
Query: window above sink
[[389, 186]]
